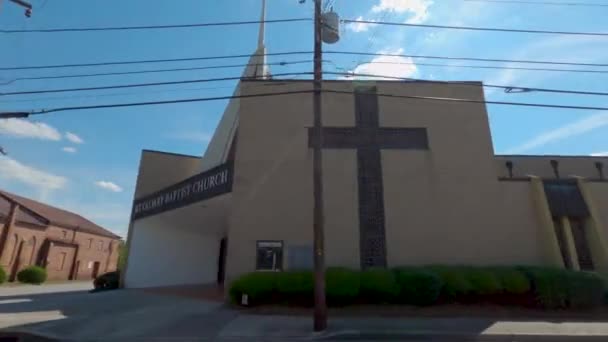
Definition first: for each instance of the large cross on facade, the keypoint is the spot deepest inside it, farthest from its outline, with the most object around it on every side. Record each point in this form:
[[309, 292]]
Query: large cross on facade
[[368, 138]]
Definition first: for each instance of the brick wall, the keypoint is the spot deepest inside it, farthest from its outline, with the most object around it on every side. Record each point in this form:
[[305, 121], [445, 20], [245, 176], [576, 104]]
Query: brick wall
[[92, 249]]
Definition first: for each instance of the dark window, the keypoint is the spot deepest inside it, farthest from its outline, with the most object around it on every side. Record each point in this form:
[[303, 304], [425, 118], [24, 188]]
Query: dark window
[[269, 255]]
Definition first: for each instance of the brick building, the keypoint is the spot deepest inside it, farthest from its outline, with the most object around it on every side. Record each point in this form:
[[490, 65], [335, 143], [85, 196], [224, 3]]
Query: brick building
[[66, 244]]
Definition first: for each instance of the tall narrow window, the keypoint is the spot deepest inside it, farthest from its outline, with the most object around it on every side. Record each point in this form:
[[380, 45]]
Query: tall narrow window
[[582, 246], [64, 234], [61, 261], [269, 255], [100, 246], [561, 240], [89, 243]]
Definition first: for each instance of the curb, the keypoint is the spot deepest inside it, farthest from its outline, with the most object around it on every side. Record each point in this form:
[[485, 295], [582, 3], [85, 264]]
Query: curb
[[354, 335]]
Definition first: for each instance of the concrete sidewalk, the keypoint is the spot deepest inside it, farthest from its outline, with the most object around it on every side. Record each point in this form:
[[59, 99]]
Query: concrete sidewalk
[[254, 327]]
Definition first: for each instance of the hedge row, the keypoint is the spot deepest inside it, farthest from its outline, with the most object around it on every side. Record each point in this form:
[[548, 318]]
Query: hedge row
[[525, 286], [2, 275]]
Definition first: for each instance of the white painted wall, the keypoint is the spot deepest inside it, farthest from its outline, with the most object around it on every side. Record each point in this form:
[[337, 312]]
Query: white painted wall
[[161, 255]]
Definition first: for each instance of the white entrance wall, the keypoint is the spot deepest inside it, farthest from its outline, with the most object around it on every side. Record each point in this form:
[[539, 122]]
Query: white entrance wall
[[163, 255]]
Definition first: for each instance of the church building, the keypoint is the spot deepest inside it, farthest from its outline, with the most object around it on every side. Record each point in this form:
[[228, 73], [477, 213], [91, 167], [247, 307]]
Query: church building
[[406, 181]]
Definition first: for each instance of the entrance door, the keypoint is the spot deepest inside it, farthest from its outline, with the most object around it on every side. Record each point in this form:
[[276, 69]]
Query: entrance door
[[95, 272], [221, 263]]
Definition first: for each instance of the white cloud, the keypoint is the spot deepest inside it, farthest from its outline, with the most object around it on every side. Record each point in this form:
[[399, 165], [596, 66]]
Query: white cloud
[[418, 9], [73, 138], [600, 154], [567, 131], [108, 186], [193, 136], [11, 169], [386, 67], [21, 128], [69, 149], [360, 27]]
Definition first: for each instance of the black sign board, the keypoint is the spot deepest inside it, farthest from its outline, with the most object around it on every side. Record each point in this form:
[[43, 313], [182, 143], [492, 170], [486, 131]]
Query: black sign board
[[205, 185]]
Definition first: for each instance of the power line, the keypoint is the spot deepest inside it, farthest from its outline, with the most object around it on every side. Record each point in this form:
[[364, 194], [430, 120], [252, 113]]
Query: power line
[[476, 59], [472, 28], [451, 99], [487, 67], [506, 88], [136, 85], [154, 27], [134, 104], [284, 63], [144, 61], [524, 2], [151, 71], [427, 98]]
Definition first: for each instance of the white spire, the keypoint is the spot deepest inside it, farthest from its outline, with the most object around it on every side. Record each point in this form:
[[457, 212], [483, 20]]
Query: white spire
[[262, 26], [258, 67]]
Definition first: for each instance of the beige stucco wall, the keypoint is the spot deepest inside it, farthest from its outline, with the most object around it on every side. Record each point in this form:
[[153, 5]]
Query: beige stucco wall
[[158, 170], [540, 166], [599, 192], [444, 205]]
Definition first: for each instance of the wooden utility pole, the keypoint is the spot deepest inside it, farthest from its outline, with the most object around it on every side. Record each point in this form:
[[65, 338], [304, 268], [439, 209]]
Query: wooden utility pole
[[320, 312]]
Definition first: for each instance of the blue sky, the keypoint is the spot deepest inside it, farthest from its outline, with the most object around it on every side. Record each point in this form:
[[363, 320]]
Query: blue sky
[[87, 161]]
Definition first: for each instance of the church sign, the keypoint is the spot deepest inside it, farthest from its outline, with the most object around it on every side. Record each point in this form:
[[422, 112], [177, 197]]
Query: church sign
[[203, 186]]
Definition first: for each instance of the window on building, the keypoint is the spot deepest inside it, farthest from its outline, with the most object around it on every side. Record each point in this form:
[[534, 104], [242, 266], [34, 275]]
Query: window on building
[[269, 255], [100, 246], [89, 243], [61, 261], [64, 234]]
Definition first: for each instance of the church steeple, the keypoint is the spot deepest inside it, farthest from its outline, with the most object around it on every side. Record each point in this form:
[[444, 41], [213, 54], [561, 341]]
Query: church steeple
[[258, 67], [262, 32]]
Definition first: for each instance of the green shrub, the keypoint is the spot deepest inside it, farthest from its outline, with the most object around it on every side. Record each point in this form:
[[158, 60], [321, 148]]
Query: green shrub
[[512, 280], [341, 286], [455, 284], [557, 288], [260, 287], [296, 287], [483, 282], [585, 290], [2, 275], [32, 275], [417, 286], [378, 286]]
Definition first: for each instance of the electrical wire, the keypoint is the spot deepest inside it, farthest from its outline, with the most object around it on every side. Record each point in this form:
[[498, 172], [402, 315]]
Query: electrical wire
[[154, 27], [524, 2], [144, 61], [476, 59], [203, 99], [506, 88], [412, 97], [451, 99], [485, 67], [472, 28], [151, 71], [136, 85]]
